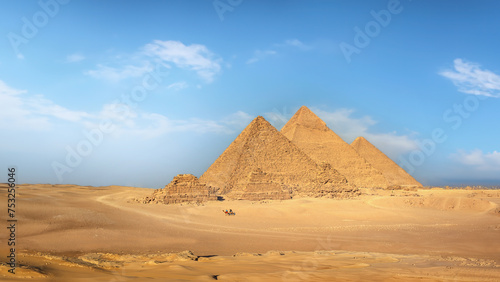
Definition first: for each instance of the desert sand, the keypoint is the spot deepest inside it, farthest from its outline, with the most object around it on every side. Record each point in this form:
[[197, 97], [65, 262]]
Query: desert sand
[[76, 233]]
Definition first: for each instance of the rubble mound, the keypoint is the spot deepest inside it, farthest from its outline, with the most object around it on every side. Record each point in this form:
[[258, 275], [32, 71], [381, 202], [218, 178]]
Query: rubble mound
[[183, 188]]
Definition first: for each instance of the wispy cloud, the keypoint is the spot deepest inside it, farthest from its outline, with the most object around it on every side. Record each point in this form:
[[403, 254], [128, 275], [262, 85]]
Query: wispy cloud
[[21, 111], [297, 43], [471, 79], [478, 160], [132, 122], [119, 73], [259, 55], [194, 57], [262, 54], [74, 58], [348, 127], [176, 86]]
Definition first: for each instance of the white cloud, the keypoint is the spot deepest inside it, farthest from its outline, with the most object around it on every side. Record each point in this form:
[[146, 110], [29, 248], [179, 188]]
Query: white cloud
[[349, 128], [238, 120], [23, 112], [74, 58], [259, 55], [194, 57], [471, 79], [117, 74], [176, 86], [478, 160], [297, 43], [262, 54], [130, 122]]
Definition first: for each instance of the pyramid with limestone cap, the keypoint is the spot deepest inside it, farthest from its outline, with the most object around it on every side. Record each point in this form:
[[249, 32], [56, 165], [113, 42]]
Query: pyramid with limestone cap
[[262, 157], [395, 175], [311, 134]]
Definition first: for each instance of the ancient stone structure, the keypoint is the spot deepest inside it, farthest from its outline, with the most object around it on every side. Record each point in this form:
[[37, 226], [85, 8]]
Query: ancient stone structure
[[183, 188], [313, 137], [395, 175], [262, 163], [259, 186]]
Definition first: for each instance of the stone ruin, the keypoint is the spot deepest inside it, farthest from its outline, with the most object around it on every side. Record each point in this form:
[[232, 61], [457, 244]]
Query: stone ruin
[[183, 188]]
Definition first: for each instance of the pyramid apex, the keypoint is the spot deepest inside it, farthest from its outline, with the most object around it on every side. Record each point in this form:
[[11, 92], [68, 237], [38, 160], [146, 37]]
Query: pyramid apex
[[359, 139], [305, 117], [260, 120]]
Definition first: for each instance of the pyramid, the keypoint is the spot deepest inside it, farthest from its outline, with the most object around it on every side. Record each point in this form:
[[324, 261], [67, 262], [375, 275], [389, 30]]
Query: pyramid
[[312, 136], [262, 160], [259, 186], [183, 188], [395, 175]]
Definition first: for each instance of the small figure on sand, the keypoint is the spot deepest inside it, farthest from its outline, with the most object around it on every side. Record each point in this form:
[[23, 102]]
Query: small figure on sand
[[230, 212]]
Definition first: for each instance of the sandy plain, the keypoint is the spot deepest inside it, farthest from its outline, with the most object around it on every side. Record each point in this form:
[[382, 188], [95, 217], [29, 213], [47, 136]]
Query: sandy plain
[[77, 233]]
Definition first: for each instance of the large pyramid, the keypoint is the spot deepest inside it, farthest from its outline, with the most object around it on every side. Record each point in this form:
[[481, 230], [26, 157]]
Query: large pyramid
[[394, 174], [262, 160], [312, 136]]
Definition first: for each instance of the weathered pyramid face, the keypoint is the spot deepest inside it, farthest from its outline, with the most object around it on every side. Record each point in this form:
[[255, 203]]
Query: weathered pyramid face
[[260, 147], [305, 118], [394, 174], [312, 136]]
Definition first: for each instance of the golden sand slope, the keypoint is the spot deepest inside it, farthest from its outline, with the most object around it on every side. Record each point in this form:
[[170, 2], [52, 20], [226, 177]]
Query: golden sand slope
[[99, 234]]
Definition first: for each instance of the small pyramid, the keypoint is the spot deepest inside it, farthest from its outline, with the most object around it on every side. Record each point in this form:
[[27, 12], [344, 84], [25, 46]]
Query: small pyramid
[[395, 175], [311, 134], [183, 188], [261, 150]]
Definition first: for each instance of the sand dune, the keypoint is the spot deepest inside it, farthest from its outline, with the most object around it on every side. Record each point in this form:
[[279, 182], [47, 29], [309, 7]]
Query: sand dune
[[101, 234]]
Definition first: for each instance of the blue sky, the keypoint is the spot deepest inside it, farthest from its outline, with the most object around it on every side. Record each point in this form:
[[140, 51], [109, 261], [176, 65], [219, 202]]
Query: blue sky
[[135, 92]]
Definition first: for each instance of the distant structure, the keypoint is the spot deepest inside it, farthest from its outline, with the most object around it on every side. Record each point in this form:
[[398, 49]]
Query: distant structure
[[261, 163], [182, 189], [395, 175], [311, 135], [305, 158]]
